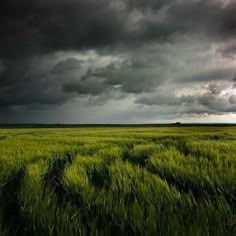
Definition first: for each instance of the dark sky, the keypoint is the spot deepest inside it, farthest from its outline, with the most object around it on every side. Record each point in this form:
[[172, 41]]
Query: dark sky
[[117, 61]]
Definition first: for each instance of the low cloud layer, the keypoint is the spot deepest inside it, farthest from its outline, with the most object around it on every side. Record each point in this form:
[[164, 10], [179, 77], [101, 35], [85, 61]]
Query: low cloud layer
[[152, 61]]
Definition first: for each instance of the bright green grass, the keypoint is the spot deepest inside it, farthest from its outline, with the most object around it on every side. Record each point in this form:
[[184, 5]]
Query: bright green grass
[[118, 181]]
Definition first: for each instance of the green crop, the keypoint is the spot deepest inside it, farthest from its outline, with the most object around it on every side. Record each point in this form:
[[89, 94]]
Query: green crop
[[118, 181]]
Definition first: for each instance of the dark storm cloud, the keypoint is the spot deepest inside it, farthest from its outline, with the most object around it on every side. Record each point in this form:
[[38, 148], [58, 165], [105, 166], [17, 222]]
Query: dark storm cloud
[[229, 50], [132, 77], [234, 82], [91, 85], [161, 45], [29, 83], [211, 15], [70, 64], [41, 25]]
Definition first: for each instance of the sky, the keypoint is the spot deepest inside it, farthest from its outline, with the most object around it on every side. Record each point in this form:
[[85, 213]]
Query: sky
[[117, 61]]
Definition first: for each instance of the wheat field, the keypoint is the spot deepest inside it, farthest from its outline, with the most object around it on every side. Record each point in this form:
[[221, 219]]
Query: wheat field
[[118, 181]]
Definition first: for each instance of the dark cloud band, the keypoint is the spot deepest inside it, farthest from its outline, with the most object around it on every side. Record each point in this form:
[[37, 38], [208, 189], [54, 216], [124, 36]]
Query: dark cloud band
[[142, 49]]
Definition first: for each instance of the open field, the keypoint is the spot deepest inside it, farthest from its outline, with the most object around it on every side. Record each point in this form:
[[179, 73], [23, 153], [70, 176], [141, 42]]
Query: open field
[[118, 181]]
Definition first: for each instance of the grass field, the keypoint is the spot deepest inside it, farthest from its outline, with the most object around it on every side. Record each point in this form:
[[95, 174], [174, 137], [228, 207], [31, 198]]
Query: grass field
[[118, 181]]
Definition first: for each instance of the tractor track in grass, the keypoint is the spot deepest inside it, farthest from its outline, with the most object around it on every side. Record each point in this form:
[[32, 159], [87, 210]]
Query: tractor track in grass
[[53, 176], [199, 193], [10, 206], [181, 185], [91, 211], [178, 143], [3, 138], [53, 179]]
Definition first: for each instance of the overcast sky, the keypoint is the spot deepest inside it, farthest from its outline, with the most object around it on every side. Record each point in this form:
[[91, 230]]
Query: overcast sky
[[117, 61]]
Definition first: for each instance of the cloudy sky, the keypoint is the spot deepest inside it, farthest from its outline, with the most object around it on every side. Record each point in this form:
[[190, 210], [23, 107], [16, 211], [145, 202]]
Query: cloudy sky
[[117, 61]]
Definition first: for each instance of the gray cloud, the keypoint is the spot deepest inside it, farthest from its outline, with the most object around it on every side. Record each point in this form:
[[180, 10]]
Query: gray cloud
[[177, 55], [210, 74], [91, 85], [63, 25], [31, 83], [132, 77], [232, 99], [228, 50], [165, 98], [210, 102]]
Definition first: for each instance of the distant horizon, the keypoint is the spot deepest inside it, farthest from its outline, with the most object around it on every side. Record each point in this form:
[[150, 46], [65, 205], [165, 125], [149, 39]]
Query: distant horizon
[[114, 124]]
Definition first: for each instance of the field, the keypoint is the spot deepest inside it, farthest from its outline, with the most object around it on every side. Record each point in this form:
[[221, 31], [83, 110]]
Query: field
[[118, 181]]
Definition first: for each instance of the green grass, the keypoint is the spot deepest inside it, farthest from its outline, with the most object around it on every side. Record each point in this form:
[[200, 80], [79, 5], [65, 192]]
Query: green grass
[[118, 181]]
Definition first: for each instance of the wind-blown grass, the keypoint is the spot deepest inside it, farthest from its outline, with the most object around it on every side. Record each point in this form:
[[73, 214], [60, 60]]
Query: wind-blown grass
[[118, 181]]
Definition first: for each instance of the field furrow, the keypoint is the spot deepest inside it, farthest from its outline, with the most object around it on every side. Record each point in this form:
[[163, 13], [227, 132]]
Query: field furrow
[[10, 206]]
